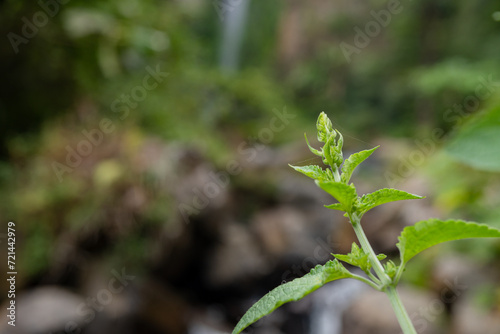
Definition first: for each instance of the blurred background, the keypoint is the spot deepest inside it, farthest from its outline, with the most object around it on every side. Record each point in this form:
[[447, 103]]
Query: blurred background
[[144, 151]]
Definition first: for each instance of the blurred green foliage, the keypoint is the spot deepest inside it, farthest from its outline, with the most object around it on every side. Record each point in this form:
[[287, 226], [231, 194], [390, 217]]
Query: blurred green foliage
[[477, 144], [66, 78]]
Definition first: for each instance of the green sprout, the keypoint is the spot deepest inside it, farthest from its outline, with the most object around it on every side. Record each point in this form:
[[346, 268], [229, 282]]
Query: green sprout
[[382, 277]]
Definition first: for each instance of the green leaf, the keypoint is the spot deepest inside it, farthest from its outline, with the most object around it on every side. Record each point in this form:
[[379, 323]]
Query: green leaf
[[345, 194], [390, 269], [357, 257], [338, 149], [417, 238], [353, 161], [329, 150], [313, 171], [292, 291], [333, 150], [324, 127], [312, 149], [382, 196], [476, 143], [335, 206]]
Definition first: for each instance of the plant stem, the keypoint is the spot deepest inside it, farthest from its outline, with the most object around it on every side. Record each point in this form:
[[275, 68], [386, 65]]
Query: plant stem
[[374, 278], [388, 286], [399, 309], [367, 281], [367, 248], [400, 271], [336, 174]]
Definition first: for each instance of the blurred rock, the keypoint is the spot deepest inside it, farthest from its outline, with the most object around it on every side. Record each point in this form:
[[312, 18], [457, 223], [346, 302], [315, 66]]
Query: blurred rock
[[237, 256], [296, 188], [457, 280], [203, 188], [456, 274], [372, 313], [200, 328], [211, 320], [43, 310], [161, 309], [470, 319], [418, 209], [330, 304], [280, 230]]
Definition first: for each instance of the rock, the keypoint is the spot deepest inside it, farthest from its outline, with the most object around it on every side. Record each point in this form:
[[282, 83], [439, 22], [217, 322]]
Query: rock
[[203, 188], [201, 328], [330, 304], [236, 257], [42, 310], [458, 280], [280, 230], [208, 321], [453, 275], [161, 309], [469, 318], [301, 191]]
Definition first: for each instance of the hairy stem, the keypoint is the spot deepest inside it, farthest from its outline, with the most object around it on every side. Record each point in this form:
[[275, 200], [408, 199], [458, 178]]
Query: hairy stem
[[400, 271], [336, 174], [374, 278], [399, 309], [388, 286], [367, 248], [367, 281]]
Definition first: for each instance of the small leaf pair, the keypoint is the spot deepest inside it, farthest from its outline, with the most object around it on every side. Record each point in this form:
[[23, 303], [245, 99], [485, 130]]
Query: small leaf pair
[[358, 258]]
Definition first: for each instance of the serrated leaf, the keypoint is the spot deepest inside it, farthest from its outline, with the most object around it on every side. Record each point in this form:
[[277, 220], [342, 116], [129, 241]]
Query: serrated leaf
[[292, 291], [324, 127], [345, 194], [382, 196], [312, 149], [361, 261], [390, 269], [424, 234], [338, 149], [335, 206], [330, 174], [329, 150], [333, 149], [353, 161], [357, 257], [312, 171]]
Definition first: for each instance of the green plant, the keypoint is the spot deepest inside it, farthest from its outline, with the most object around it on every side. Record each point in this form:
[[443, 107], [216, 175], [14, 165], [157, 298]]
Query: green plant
[[382, 277]]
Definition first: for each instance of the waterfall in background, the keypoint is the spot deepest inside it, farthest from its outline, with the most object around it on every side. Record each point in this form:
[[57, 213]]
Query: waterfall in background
[[330, 304], [234, 20]]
